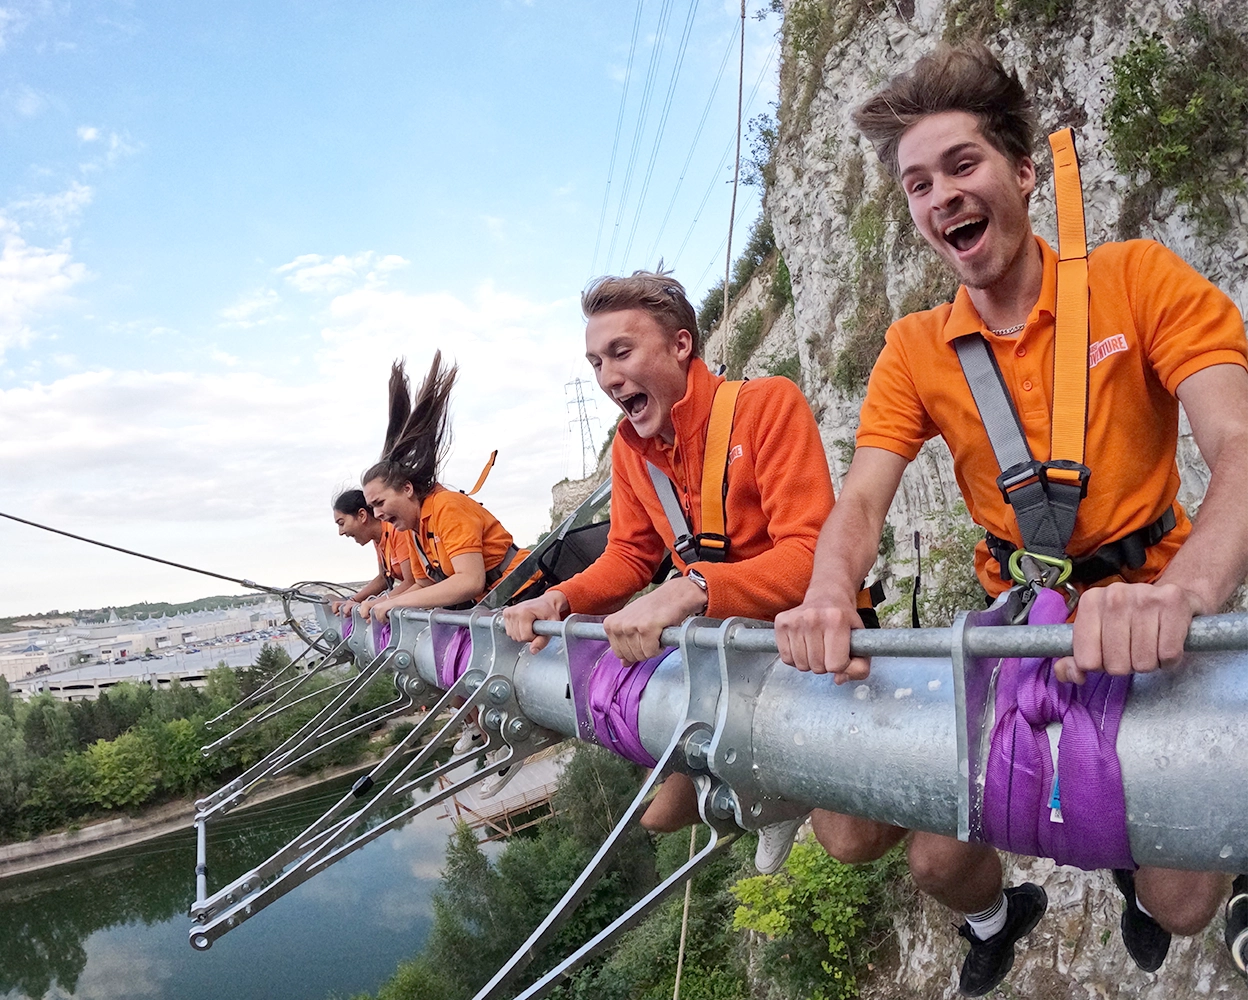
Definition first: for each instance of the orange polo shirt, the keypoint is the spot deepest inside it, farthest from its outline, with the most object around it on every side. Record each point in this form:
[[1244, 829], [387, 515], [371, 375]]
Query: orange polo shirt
[[779, 495], [1153, 322], [394, 549], [453, 524]]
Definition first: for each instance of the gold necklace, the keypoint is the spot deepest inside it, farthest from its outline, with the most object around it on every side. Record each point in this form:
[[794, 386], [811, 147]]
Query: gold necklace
[[1008, 331]]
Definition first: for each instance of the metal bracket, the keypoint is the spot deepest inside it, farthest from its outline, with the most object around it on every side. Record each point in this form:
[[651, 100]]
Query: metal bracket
[[686, 753], [974, 687], [731, 753]]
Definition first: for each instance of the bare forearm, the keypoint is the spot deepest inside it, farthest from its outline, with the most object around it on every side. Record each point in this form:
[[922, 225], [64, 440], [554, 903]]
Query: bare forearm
[[371, 589], [850, 537], [455, 589]]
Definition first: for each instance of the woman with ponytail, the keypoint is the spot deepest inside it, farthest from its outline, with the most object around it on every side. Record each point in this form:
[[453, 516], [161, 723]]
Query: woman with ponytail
[[460, 549]]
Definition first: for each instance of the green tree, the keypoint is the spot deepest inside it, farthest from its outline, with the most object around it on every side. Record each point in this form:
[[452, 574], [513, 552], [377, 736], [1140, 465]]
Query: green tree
[[125, 771], [6, 698], [182, 766], [48, 727]]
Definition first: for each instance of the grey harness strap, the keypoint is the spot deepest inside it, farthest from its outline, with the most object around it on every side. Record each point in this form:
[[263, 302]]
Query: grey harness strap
[[1045, 509], [684, 545]]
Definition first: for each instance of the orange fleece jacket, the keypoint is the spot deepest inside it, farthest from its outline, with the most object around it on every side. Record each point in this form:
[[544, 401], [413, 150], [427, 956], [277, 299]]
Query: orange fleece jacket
[[779, 495]]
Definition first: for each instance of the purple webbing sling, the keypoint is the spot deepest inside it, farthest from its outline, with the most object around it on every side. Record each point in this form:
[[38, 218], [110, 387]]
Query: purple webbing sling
[[347, 626], [1078, 816], [455, 660], [614, 699], [381, 635]]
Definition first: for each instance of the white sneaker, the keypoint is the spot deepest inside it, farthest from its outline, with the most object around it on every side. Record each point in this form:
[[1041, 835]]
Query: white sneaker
[[492, 785], [469, 739], [774, 844]]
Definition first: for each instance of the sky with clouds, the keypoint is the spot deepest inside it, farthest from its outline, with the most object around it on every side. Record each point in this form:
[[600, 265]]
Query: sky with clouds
[[220, 222]]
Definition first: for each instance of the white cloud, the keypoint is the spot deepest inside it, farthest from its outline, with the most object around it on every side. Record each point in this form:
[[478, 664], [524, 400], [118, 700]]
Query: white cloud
[[59, 210], [32, 280], [112, 148], [317, 275], [254, 309], [234, 469], [25, 100], [88, 133]]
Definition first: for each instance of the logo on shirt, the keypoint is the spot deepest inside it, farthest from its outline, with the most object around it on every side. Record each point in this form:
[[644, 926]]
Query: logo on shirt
[[734, 454], [1102, 349]]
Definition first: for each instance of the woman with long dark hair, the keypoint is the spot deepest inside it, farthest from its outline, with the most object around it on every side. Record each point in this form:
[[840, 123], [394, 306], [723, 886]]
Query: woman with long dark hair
[[461, 550], [395, 549]]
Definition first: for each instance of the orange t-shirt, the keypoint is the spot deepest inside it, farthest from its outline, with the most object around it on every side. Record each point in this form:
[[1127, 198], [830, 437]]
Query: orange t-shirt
[[1153, 322], [453, 524], [779, 495], [394, 549]]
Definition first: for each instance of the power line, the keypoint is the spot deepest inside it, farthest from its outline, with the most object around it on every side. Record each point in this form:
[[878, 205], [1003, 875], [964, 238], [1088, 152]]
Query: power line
[[647, 90], [615, 145], [696, 136], [663, 116], [723, 159]]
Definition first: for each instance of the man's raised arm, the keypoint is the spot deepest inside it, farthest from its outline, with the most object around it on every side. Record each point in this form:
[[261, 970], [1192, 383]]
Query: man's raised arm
[[815, 635]]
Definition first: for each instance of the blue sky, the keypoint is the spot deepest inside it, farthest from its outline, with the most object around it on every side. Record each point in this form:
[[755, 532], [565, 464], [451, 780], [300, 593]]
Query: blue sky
[[221, 222]]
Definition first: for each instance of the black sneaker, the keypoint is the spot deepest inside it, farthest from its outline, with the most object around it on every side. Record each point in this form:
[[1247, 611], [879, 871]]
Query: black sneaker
[[1237, 923], [1146, 940], [988, 961]]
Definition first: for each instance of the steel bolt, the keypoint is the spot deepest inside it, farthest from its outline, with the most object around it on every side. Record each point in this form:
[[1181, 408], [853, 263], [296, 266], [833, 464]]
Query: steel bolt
[[697, 746], [492, 719], [402, 659], [498, 691], [723, 802], [519, 728], [331, 636], [472, 683]]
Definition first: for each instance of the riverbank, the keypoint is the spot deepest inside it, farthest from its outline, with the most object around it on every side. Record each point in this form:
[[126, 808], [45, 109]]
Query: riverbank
[[108, 835]]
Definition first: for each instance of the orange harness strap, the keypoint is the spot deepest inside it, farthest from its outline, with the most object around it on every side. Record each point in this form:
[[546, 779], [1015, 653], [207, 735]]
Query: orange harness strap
[[1070, 355], [715, 458], [484, 473]]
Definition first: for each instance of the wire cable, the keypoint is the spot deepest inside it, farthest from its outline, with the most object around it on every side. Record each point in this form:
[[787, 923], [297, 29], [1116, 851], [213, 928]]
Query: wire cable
[[663, 116], [615, 145], [250, 584], [723, 159], [736, 170], [696, 136], [646, 93]]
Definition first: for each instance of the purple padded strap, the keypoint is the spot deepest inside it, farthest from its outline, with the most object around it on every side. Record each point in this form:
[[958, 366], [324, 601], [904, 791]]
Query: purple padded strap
[[611, 695], [1022, 802], [347, 626], [381, 635], [454, 662]]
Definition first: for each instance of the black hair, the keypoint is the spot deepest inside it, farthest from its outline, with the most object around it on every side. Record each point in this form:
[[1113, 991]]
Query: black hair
[[351, 502], [418, 431]]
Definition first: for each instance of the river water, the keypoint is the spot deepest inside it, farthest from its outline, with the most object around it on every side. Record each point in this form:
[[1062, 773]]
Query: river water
[[115, 927]]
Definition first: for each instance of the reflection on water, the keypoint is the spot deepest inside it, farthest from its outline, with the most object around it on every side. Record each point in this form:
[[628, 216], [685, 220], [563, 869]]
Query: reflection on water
[[116, 926]]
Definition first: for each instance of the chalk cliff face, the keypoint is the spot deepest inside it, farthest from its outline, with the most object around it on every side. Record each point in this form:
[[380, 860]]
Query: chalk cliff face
[[856, 264], [843, 228]]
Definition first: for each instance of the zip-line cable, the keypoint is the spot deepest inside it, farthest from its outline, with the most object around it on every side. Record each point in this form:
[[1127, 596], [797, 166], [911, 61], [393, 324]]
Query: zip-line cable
[[250, 584], [736, 170], [694, 145], [662, 126], [615, 145], [647, 91], [706, 196]]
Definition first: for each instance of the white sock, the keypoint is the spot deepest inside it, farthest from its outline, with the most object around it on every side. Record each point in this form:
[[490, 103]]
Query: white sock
[[988, 922], [1140, 906]]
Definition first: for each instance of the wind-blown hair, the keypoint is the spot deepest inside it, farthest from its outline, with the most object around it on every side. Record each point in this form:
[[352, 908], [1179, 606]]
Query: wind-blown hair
[[418, 432], [351, 502], [969, 78]]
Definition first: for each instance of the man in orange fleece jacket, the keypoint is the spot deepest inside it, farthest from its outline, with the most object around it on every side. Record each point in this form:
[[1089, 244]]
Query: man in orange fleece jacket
[[641, 339]]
